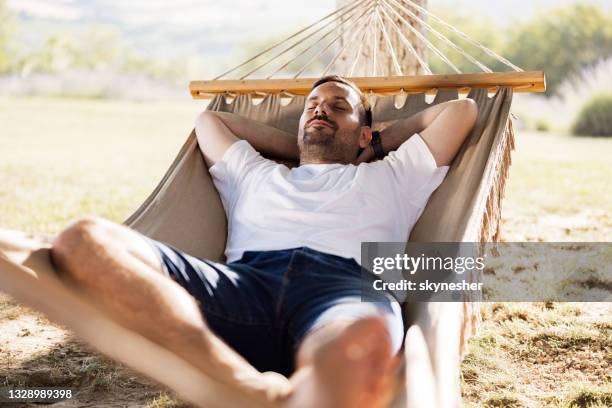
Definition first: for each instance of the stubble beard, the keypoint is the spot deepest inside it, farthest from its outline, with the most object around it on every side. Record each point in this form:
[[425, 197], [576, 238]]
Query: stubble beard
[[320, 146], [318, 137]]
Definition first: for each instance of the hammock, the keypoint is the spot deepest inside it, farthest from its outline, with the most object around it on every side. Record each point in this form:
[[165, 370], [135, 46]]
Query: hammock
[[185, 211]]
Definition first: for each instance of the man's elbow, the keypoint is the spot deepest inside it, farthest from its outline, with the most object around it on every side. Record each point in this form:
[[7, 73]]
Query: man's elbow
[[205, 119], [205, 124], [466, 112], [470, 109]]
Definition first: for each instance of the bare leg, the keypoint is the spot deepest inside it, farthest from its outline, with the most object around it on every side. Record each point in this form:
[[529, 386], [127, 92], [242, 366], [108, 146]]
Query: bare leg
[[120, 272], [345, 364]]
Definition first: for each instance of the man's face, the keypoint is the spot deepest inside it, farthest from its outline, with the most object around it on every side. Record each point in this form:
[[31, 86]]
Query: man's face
[[330, 127]]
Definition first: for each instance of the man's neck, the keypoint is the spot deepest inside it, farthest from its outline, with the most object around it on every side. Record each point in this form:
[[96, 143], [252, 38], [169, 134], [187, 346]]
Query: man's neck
[[304, 162], [312, 157]]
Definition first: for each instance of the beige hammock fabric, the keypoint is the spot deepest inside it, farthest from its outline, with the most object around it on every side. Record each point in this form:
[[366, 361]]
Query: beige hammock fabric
[[185, 211]]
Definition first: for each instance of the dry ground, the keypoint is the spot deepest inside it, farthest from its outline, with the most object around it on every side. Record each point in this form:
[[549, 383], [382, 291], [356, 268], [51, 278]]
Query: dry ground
[[60, 159]]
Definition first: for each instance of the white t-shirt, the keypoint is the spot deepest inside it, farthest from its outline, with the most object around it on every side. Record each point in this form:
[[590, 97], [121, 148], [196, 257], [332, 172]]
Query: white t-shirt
[[328, 207]]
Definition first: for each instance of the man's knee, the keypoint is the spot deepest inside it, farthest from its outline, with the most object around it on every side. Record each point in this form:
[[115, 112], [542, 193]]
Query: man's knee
[[78, 242]]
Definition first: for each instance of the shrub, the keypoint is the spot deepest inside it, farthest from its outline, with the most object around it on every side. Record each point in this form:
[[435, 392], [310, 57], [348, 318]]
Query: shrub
[[595, 118], [542, 126]]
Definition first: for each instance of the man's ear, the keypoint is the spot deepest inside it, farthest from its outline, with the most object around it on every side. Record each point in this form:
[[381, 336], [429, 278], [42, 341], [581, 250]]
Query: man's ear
[[365, 137]]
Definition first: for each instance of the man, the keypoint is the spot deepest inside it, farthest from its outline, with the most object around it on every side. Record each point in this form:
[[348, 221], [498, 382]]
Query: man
[[288, 299]]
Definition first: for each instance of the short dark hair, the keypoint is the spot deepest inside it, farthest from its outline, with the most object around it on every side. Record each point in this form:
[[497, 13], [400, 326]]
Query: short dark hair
[[366, 109]]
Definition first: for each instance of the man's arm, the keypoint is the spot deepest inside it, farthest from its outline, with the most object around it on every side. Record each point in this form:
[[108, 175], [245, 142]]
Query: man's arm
[[443, 127], [217, 131]]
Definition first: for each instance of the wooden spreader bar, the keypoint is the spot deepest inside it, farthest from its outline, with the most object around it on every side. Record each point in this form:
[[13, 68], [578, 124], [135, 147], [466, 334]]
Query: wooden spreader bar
[[527, 81]]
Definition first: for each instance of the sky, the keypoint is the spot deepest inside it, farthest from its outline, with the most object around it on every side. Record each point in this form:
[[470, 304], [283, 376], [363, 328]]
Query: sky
[[261, 16]]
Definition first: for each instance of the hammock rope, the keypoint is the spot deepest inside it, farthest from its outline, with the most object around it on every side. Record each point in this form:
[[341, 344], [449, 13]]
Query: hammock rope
[[396, 65], [374, 47], [282, 41], [345, 18], [284, 51], [439, 35], [347, 43], [424, 40], [385, 28], [408, 44], [314, 44], [463, 35], [332, 42], [358, 54]]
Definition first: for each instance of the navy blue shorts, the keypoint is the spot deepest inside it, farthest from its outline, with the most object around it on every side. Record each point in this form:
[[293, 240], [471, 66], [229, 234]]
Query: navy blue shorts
[[265, 304]]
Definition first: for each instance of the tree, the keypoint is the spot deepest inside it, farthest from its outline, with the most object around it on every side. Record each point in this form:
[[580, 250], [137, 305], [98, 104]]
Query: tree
[[375, 47], [7, 26], [93, 48], [482, 30], [561, 42]]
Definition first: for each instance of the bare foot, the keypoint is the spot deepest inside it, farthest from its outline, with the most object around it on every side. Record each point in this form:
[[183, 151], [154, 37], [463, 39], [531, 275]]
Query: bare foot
[[353, 369]]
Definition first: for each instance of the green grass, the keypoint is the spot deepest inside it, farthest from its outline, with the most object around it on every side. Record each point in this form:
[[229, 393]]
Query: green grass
[[62, 158], [9, 310], [538, 354], [559, 189], [165, 400], [591, 397], [582, 396]]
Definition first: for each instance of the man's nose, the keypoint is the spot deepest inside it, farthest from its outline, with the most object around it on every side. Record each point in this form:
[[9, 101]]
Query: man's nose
[[320, 110]]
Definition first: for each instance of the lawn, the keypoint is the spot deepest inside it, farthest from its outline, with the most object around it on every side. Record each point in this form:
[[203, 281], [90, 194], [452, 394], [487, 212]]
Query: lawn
[[61, 159], [64, 158]]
